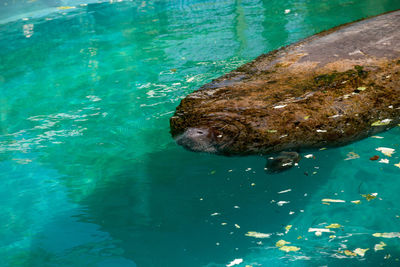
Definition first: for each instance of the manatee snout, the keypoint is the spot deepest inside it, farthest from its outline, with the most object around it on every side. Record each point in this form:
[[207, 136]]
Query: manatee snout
[[197, 139]]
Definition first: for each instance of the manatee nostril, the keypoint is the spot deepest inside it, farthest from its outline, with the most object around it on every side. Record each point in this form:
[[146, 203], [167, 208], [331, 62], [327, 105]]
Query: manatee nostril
[[200, 132]]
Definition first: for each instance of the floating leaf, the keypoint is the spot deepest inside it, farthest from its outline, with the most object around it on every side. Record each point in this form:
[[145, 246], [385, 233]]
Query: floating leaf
[[397, 165], [360, 251], [374, 157], [370, 196], [387, 235], [380, 246], [349, 253], [356, 202], [333, 225], [65, 7], [287, 228], [281, 243], [333, 200], [234, 262], [352, 155], [258, 235], [384, 161], [386, 151], [321, 230], [289, 248], [382, 122]]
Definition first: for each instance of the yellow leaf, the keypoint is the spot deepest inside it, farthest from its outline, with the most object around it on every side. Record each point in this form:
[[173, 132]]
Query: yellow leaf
[[397, 165], [287, 228], [289, 248], [349, 253], [356, 202], [281, 243], [386, 151], [65, 7], [370, 196], [361, 88], [333, 225]]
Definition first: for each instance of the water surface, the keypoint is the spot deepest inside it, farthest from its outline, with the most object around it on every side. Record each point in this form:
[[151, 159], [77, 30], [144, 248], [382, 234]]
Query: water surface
[[91, 177]]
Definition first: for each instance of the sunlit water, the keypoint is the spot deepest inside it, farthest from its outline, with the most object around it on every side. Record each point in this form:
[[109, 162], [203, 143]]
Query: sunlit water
[[91, 177]]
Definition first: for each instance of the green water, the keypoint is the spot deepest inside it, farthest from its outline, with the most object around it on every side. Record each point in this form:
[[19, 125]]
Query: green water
[[89, 175]]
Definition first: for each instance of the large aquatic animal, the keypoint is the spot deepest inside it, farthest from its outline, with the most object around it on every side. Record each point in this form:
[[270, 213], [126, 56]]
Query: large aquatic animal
[[335, 87]]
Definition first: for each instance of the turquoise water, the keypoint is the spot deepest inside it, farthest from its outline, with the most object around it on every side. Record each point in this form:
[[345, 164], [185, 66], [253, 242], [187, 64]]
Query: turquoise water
[[91, 177]]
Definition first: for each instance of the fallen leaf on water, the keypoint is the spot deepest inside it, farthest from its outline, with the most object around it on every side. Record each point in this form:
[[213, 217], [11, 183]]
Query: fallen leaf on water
[[287, 228], [332, 236], [65, 7], [333, 225], [289, 248], [377, 137], [397, 165], [370, 196], [381, 123], [320, 230], [349, 253], [387, 235], [374, 157], [380, 246], [384, 161], [281, 243], [333, 200], [237, 226], [356, 202], [258, 235], [235, 262], [386, 151], [360, 251], [173, 70], [308, 156], [352, 155]]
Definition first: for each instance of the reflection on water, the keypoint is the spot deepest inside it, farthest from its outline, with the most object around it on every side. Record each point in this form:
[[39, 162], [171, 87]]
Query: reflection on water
[[91, 176]]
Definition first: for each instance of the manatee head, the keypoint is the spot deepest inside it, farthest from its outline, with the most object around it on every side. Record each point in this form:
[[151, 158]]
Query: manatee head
[[207, 132]]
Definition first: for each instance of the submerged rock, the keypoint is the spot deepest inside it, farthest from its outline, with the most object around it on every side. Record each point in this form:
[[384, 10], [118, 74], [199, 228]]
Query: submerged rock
[[330, 89]]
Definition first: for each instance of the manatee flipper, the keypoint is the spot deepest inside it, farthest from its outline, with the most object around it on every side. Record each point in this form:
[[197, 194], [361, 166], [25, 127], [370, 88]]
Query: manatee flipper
[[283, 161]]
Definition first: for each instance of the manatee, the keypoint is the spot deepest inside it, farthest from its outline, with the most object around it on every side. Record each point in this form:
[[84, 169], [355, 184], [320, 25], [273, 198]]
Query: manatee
[[330, 89]]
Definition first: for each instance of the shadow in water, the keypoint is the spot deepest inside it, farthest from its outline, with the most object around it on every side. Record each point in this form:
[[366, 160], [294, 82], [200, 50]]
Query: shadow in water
[[178, 208]]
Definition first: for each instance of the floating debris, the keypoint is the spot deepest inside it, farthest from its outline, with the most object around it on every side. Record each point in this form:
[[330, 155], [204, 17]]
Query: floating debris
[[281, 203], [387, 235], [321, 230], [386, 151], [360, 251], [356, 202], [281, 243], [215, 214], [377, 137], [384, 161], [374, 157], [397, 165], [309, 156], [352, 155], [350, 253], [285, 191], [65, 7], [257, 235], [381, 123], [333, 200], [289, 248], [234, 262], [333, 225], [370, 196], [237, 226], [287, 228], [380, 246]]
